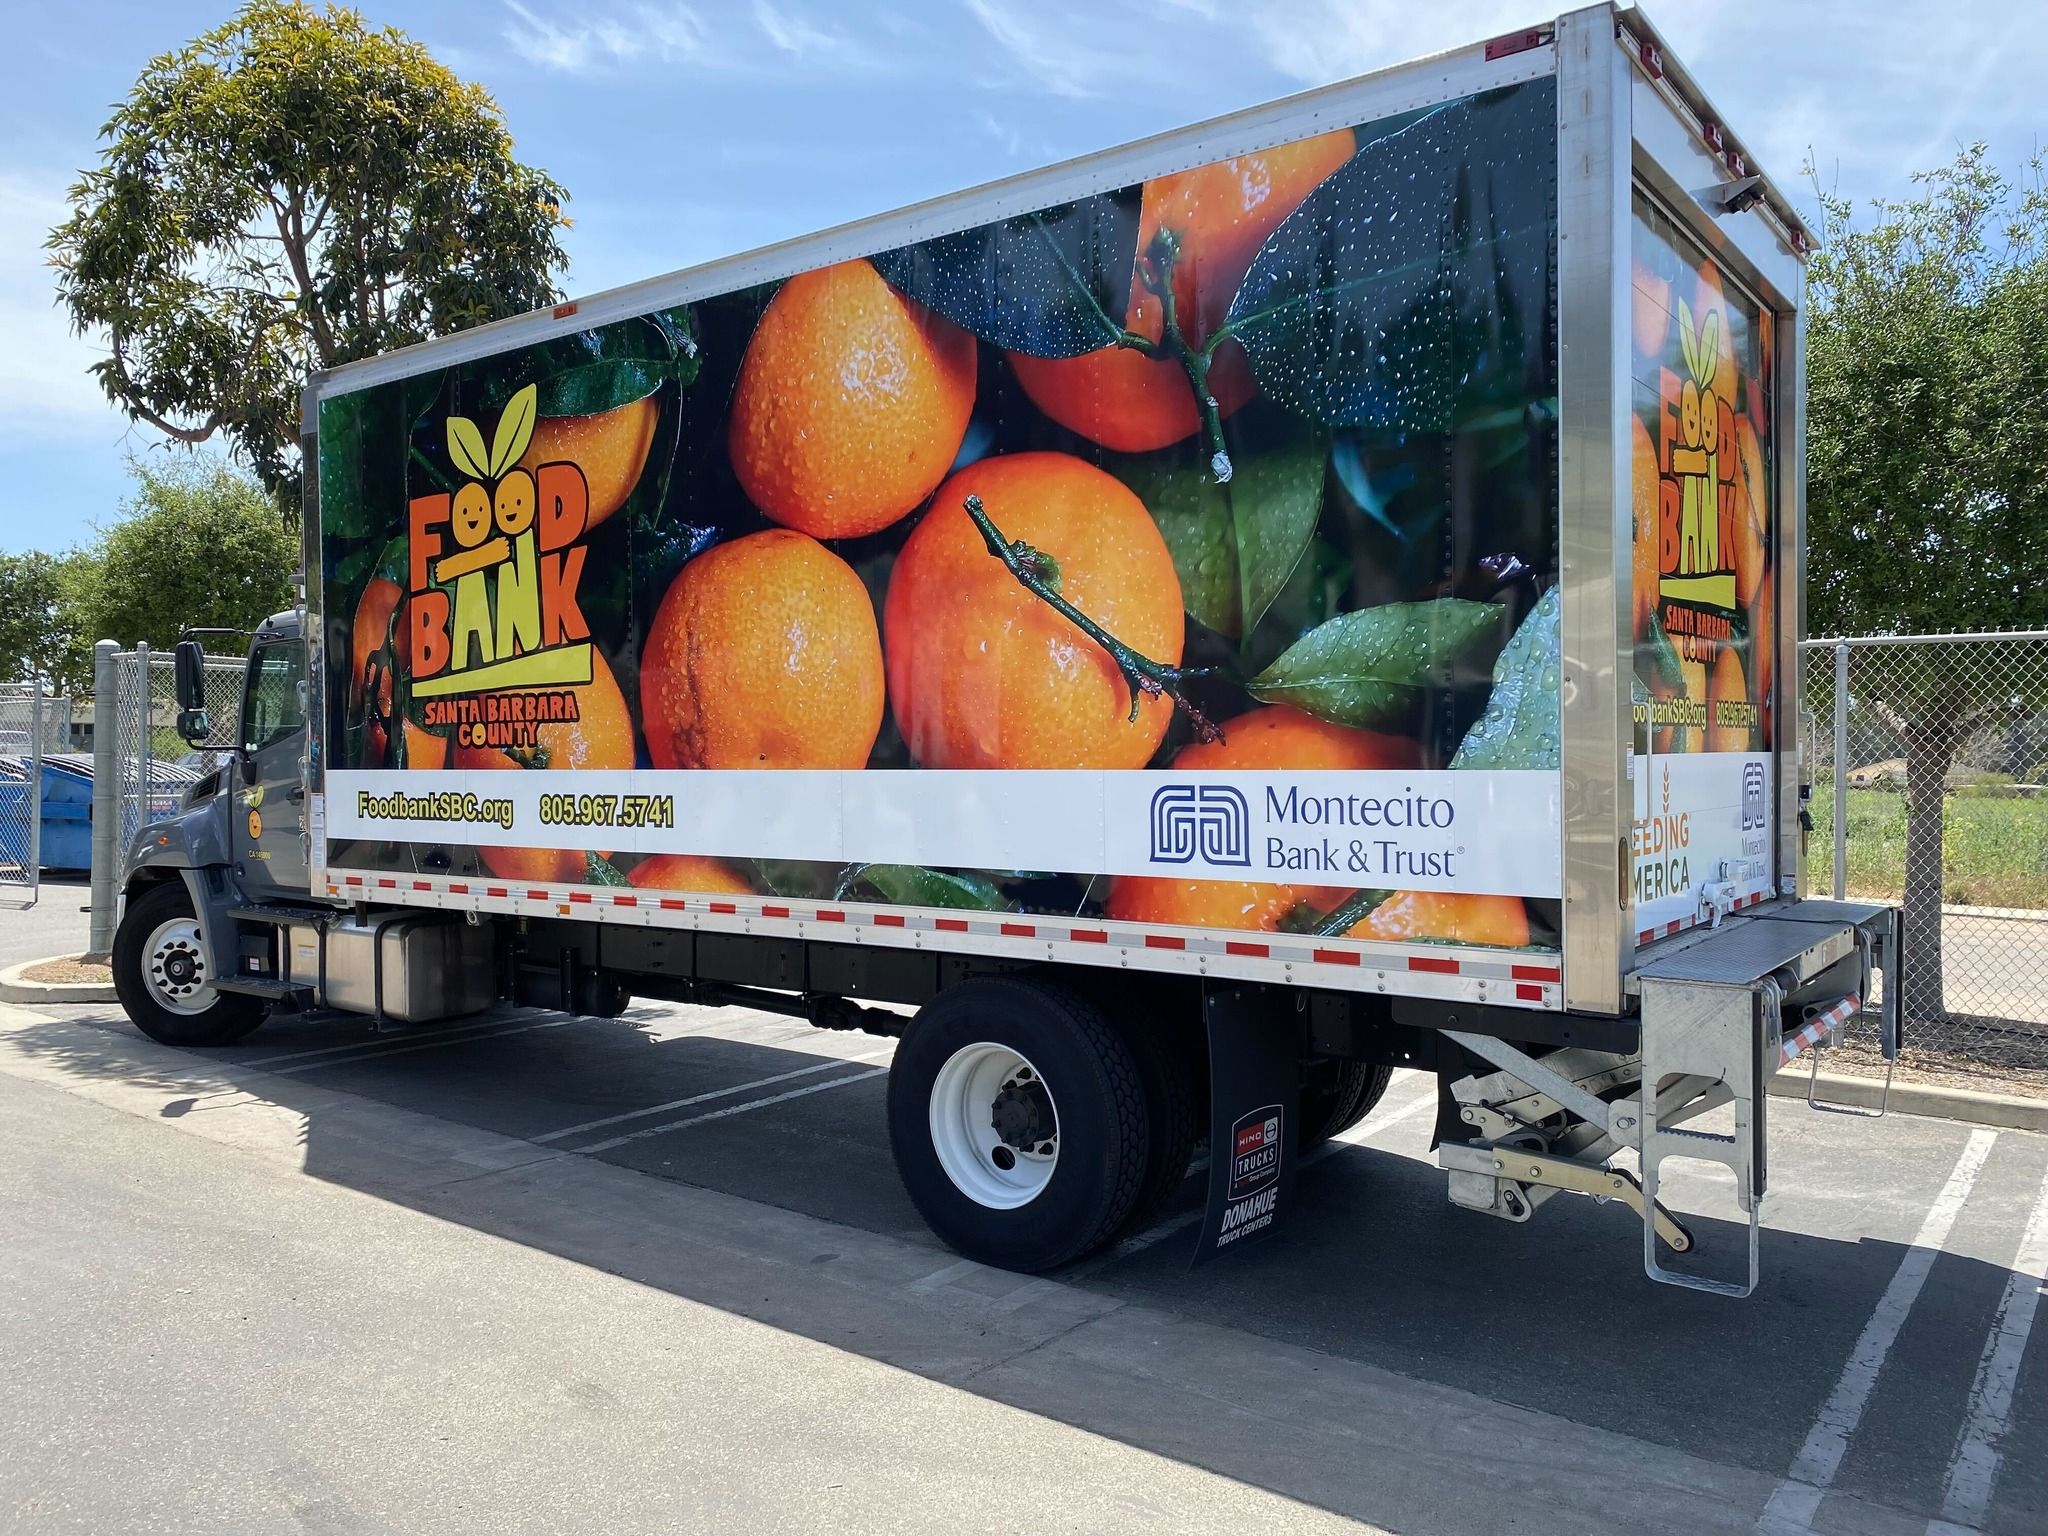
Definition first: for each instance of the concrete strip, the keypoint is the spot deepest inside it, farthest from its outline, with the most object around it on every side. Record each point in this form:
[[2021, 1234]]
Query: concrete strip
[[15, 988], [1964, 1104]]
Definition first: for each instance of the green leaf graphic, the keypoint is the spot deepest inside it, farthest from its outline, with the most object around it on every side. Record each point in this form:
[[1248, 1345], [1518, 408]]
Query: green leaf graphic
[[1367, 668], [1235, 544], [466, 448], [515, 431], [910, 885], [1520, 726]]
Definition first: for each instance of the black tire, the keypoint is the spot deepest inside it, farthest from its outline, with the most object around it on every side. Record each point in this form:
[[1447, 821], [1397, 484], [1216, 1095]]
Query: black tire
[[1338, 1099], [226, 1020], [1174, 1105], [1099, 1100]]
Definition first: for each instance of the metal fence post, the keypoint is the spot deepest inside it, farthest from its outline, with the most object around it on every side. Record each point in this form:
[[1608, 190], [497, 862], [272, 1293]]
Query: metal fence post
[[106, 799], [1841, 771]]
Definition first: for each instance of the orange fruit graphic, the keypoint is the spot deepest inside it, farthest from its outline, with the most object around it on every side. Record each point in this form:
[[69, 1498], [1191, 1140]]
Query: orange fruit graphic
[[1726, 685], [381, 599], [1222, 214], [1763, 640], [610, 447], [1199, 903], [763, 654], [985, 674], [688, 872], [602, 737], [1650, 310], [851, 403], [1643, 486], [1710, 299], [1280, 736], [1752, 501], [1458, 915]]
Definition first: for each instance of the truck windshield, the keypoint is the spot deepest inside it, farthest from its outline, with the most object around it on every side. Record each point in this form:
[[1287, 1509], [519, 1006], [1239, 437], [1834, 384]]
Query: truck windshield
[[275, 705]]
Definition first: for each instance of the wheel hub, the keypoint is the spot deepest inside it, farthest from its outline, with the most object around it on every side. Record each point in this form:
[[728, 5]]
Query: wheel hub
[[1022, 1114], [176, 967]]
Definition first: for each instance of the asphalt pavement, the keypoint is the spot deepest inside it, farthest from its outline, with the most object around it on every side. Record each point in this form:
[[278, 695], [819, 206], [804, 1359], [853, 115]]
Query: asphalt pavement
[[538, 1273]]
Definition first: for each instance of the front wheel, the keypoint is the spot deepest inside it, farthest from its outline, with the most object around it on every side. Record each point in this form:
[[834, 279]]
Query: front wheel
[[1018, 1120], [162, 977]]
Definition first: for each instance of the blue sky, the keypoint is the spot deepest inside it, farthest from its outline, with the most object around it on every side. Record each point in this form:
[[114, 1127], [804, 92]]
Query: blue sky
[[687, 131]]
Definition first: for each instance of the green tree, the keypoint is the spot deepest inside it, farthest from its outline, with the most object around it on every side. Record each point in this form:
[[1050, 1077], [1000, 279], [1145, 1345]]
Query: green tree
[[199, 543], [289, 192], [38, 637], [1927, 506]]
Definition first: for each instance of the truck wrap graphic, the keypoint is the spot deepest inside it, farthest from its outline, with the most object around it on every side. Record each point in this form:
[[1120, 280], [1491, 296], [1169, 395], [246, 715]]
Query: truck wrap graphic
[[1703, 520], [1186, 554]]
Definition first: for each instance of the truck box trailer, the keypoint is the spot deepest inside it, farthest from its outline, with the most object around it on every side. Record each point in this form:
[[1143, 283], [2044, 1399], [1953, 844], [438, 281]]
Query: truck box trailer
[[1202, 625]]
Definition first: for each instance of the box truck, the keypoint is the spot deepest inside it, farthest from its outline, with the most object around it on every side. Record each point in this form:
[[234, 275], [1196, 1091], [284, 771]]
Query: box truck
[[1172, 637]]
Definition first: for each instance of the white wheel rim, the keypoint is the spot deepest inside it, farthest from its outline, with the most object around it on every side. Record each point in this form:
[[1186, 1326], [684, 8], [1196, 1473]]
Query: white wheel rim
[[175, 967], [980, 1087]]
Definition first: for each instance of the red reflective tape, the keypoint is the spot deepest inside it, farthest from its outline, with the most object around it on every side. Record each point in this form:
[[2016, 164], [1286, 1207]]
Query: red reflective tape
[[582, 896], [536, 895], [952, 924], [888, 919], [1020, 930], [497, 890], [717, 906], [1513, 43], [1534, 972], [1337, 956], [423, 885], [388, 885], [1237, 947], [1088, 936], [827, 915], [459, 890], [775, 911], [1645, 936], [1164, 941], [625, 901], [352, 879], [1432, 963], [673, 904], [1528, 994]]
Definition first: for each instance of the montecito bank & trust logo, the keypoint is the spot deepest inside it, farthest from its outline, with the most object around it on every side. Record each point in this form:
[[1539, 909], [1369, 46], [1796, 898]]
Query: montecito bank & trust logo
[[1205, 820]]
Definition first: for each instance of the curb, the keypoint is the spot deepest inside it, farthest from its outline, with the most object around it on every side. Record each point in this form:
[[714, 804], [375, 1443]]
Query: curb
[[14, 988], [1965, 1104]]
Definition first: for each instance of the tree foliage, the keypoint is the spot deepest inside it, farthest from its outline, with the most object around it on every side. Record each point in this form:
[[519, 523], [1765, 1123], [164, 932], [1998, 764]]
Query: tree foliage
[[199, 543], [38, 639], [1927, 501], [1927, 504], [291, 191]]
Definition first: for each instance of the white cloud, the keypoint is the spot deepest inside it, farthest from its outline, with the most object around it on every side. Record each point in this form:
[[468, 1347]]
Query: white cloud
[[45, 390], [662, 32], [1060, 56], [765, 38]]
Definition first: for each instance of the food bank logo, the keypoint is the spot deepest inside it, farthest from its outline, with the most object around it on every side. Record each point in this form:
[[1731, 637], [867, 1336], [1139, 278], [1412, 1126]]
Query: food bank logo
[[1697, 461], [1206, 821], [493, 570]]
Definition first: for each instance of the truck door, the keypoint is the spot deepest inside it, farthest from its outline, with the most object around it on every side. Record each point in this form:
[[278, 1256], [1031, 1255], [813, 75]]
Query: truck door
[[269, 820]]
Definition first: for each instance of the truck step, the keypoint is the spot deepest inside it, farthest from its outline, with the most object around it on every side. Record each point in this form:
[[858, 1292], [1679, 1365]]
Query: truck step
[[269, 988]]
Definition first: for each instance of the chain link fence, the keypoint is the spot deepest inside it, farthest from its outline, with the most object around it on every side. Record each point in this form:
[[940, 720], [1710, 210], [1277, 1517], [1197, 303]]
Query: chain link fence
[[1930, 758], [22, 745], [141, 766]]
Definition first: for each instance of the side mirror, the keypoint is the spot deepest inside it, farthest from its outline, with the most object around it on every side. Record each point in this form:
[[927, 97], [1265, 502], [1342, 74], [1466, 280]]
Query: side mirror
[[194, 727], [191, 676]]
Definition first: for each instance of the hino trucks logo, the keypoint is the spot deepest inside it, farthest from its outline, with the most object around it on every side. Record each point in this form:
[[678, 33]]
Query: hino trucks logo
[[1208, 821]]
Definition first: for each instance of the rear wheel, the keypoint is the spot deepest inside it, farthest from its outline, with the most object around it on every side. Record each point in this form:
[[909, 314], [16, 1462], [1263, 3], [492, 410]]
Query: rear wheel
[[162, 977], [1341, 1094], [1174, 1106], [1018, 1119]]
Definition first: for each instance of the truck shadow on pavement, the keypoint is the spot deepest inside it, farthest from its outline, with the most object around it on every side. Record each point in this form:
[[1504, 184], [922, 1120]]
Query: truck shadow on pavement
[[1309, 1364]]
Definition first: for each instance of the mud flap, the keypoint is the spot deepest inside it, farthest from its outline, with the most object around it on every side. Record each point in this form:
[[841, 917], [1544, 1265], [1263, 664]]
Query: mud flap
[[1254, 1096]]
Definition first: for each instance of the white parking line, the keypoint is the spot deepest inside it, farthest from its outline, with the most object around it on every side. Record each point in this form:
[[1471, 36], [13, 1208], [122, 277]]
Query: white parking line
[[1794, 1502], [700, 1098], [731, 1109], [1973, 1470], [407, 1050]]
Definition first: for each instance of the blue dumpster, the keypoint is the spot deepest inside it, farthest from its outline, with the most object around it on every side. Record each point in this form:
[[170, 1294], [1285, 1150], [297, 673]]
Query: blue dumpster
[[66, 809]]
